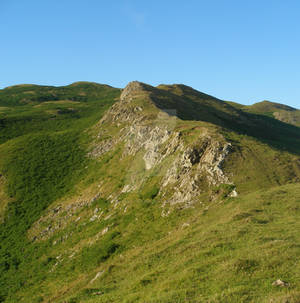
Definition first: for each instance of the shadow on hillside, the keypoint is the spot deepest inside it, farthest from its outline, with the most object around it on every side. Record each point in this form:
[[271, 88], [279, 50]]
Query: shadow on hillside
[[278, 134]]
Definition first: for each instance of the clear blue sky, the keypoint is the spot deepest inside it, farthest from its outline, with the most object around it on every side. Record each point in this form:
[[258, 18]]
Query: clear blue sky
[[245, 51]]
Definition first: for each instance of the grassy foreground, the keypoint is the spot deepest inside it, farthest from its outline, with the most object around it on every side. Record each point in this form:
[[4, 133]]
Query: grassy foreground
[[198, 255]]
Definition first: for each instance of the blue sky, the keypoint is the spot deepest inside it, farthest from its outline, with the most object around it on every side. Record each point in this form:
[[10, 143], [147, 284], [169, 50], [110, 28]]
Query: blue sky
[[245, 51]]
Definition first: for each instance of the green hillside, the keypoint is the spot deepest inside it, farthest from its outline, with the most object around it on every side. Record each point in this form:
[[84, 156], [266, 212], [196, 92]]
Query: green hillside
[[267, 106], [275, 110], [157, 194]]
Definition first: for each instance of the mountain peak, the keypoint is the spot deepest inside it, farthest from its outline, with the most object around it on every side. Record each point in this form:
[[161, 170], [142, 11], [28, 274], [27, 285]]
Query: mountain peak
[[132, 88]]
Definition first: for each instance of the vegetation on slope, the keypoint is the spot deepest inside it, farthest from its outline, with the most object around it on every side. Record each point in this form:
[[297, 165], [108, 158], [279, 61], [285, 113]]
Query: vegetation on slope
[[202, 255], [193, 105], [42, 157], [268, 107], [76, 106], [275, 110], [73, 234], [19, 95]]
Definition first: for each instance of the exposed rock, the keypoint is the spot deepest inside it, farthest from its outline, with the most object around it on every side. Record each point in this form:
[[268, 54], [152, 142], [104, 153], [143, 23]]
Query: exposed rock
[[233, 194], [57, 209], [191, 156], [213, 160], [93, 218], [104, 231], [165, 213], [184, 225], [107, 217], [127, 188], [186, 168], [98, 275], [101, 149], [131, 89], [72, 255], [280, 283], [60, 216], [148, 138], [193, 167], [198, 164]]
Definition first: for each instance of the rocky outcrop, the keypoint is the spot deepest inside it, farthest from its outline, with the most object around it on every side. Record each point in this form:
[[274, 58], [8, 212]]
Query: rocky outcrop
[[131, 89], [59, 217], [213, 160], [147, 138], [188, 168], [198, 166]]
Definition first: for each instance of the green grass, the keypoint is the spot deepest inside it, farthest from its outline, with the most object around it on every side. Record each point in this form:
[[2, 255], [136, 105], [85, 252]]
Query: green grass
[[34, 94], [190, 104], [40, 116], [118, 247], [216, 258], [278, 111], [42, 157], [40, 169], [232, 258]]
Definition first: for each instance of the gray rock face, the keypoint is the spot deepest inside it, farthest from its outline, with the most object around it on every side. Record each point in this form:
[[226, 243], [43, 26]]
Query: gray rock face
[[185, 170], [192, 156], [150, 139], [198, 165], [213, 160]]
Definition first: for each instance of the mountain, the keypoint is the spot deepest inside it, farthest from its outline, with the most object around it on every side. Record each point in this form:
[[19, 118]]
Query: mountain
[[278, 111], [146, 194]]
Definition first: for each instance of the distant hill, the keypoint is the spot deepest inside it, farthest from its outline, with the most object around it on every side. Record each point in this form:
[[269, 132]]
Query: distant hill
[[279, 111], [28, 93]]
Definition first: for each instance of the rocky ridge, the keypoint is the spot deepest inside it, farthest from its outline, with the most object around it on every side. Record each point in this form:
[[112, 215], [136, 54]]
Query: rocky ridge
[[185, 170], [153, 141]]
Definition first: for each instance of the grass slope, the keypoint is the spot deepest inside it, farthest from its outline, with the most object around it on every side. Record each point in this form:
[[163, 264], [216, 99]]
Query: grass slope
[[118, 247], [275, 110], [204, 255], [42, 157], [33, 109]]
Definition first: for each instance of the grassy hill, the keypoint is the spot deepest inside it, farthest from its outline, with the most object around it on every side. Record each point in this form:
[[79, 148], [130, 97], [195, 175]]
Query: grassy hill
[[267, 106], [275, 110], [160, 194]]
